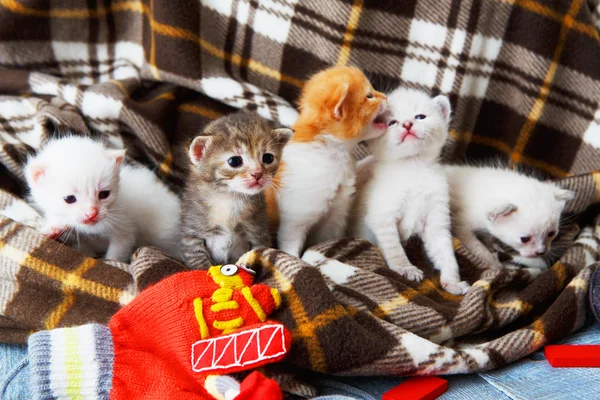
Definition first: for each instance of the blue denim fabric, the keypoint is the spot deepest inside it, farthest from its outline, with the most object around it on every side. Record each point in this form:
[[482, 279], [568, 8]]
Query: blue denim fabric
[[527, 379], [369, 388], [533, 378], [14, 373]]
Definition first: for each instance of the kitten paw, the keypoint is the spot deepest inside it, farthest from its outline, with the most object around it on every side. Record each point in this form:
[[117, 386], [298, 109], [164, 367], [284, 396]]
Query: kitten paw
[[413, 273], [457, 288], [52, 232]]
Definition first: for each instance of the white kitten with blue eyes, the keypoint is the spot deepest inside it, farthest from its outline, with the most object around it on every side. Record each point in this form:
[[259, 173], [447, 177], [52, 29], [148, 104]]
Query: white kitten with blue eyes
[[82, 187], [519, 210], [407, 193]]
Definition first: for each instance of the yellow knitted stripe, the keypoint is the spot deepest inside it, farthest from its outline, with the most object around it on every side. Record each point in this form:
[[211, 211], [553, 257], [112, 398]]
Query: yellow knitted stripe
[[73, 364], [228, 326], [254, 304], [200, 318], [222, 294], [226, 305]]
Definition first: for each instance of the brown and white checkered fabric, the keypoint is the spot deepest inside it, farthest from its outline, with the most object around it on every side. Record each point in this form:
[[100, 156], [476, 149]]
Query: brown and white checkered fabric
[[147, 75]]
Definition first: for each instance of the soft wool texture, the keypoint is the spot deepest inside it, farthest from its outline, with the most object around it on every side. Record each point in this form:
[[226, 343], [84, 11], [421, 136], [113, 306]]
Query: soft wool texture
[[520, 211], [136, 210], [312, 198], [223, 205], [148, 349], [407, 193]]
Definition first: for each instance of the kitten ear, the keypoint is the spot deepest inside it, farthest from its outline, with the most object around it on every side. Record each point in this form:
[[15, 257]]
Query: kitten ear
[[502, 212], [117, 155], [339, 97], [34, 171], [283, 135], [198, 148], [443, 104], [563, 194]]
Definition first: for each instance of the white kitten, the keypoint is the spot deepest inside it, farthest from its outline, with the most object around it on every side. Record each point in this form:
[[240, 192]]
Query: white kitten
[[520, 211], [81, 186], [407, 193]]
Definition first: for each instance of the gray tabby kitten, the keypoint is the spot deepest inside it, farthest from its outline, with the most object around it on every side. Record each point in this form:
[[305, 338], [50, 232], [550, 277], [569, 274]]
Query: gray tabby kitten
[[234, 160]]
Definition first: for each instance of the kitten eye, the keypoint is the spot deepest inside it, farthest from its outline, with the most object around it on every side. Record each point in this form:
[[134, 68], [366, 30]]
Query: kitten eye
[[268, 158], [551, 234], [370, 96], [70, 199], [393, 122], [235, 161], [104, 194], [420, 116], [525, 239]]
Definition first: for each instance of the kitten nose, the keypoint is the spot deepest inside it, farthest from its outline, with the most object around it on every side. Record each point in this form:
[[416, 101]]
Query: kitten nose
[[407, 125], [257, 175], [541, 251], [92, 212]]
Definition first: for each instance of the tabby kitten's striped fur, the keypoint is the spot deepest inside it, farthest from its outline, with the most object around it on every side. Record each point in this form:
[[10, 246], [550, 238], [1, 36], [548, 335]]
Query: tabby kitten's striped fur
[[233, 160]]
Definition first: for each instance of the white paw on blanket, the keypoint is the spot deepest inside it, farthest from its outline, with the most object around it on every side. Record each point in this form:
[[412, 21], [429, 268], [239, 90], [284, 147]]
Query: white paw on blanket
[[411, 272], [456, 288]]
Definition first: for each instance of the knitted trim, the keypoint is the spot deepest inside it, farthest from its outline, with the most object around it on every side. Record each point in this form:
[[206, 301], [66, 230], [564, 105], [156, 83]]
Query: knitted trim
[[71, 363]]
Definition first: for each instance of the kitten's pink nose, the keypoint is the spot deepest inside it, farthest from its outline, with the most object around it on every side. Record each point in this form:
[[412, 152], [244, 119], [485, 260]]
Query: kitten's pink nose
[[92, 213], [257, 176], [407, 125]]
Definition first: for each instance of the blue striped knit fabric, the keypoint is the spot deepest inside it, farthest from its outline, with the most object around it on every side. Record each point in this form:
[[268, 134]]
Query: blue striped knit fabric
[[69, 363]]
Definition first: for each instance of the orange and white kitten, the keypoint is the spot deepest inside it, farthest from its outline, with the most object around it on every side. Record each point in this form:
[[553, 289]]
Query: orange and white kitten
[[312, 192]]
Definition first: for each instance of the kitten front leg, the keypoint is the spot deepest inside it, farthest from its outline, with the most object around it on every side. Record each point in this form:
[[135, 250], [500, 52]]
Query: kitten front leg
[[334, 224], [224, 248], [194, 250], [474, 245], [259, 238], [258, 232], [120, 247], [291, 236], [298, 214], [389, 242], [438, 245]]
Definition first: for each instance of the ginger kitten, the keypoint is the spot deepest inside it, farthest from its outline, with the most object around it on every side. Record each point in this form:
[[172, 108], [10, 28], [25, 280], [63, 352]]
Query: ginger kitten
[[407, 193], [313, 189], [233, 161]]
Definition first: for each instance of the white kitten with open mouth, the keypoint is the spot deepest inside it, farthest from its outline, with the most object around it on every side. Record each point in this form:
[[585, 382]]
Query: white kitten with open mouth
[[407, 193]]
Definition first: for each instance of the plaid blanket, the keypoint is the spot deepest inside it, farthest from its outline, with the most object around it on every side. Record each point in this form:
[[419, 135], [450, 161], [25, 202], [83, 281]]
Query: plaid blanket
[[147, 75]]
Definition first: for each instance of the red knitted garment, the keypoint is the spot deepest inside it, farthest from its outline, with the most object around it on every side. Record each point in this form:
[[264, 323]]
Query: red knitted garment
[[170, 337]]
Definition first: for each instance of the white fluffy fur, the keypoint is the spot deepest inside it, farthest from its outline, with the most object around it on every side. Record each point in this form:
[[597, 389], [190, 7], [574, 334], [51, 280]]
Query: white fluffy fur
[[319, 182], [139, 210], [506, 204], [407, 193]]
